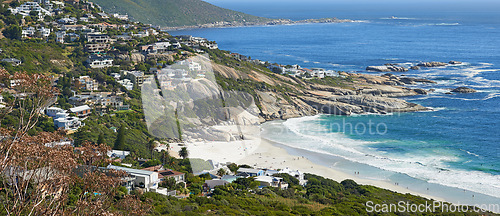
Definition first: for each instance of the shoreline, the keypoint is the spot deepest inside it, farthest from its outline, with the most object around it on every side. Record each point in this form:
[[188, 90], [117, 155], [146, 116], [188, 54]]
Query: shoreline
[[279, 22], [262, 153], [271, 156]]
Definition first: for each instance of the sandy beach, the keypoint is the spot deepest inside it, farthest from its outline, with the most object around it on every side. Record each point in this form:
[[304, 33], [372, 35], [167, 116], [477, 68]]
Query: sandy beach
[[261, 153]]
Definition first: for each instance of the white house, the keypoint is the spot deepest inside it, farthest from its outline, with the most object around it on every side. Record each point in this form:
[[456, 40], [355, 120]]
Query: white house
[[88, 83], [118, 154], [295, 173], [52, 111], [211, 184], [98, 37], [27, 7], [159, 47], [250, 172], [95, 61], [119, 16], [143, 178], [128, 84], [63, 120], [13, 61], [270, 181]]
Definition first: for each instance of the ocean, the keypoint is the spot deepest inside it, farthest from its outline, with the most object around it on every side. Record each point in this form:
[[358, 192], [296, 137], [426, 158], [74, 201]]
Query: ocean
[[457, 145]]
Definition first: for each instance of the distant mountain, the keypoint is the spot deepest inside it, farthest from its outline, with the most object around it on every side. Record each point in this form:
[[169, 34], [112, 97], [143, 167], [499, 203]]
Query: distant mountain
[[175, 13]]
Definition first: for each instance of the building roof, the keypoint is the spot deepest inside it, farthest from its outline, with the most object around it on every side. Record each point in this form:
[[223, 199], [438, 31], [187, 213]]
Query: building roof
[[248, 170], [79, 108], [230, 178], [132, 171], [99, 58], [11, 60], [268, 179], [170, 173], [154, 168]]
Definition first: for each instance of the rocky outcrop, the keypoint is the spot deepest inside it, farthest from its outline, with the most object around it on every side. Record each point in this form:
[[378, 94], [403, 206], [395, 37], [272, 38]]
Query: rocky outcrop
[[415, 67], [420, 91], [463, 90], [123, 57], [327, 106], [137, 57], [274, 106], [412, 81], [387, 68], [160, 57], [454, 62], [333, 90], [381, 105], [358, 104], [432, 64]]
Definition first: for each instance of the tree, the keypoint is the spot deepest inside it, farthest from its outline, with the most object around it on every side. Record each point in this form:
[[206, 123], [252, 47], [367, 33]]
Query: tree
[[233, 167], [164, 156], [41, 179], [183, 152], [221, 172], [120, 139], [151, 146], [100, 140], [13, 32]]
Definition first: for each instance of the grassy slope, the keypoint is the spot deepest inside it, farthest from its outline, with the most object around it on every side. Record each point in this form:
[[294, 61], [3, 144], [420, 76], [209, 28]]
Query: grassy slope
[[174, 13]]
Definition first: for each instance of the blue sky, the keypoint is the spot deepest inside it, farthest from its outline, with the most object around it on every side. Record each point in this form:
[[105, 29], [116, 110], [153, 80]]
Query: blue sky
[[489, 5]]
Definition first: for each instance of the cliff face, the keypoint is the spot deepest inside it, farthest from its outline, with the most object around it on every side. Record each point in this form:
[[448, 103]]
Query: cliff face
[[355, 94]]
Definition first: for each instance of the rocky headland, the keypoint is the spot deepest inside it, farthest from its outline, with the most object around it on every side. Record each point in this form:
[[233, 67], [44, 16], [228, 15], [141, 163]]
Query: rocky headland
[[363, 93]]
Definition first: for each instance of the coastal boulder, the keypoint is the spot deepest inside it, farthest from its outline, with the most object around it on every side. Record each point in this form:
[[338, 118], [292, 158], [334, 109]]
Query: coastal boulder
[[420, 91], [415, 67], [454, 62], [387, 68], [463, 90], [328, 106], [432, 64], [380, 104]]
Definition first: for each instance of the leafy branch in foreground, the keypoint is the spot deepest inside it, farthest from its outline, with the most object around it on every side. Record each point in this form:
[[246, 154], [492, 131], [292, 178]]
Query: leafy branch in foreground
[[40, 175]]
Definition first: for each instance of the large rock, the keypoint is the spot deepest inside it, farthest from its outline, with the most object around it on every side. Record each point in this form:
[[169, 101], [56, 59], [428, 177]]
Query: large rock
[[274, 106], [420, 91], [333, 90], [463, 90], [328, 106], [381, 105], [358, 104], [432, 64], [387, 68], [411, 81], [454, 62], [137, 57], [415, 67]]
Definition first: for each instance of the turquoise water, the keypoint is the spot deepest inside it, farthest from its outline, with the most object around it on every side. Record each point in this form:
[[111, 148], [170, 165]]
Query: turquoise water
[[457, 144]]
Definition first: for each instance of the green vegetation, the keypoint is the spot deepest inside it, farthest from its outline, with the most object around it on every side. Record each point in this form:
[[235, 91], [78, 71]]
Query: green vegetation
[[120, 139], [320, 197], [174, 13], [37, 56]]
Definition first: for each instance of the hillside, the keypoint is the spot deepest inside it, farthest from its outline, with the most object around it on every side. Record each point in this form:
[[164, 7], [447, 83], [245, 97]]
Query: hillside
[[174, 13]]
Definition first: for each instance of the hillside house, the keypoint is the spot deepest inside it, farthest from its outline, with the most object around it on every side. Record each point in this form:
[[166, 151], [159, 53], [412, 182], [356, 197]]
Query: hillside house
[[81, 111], [95, 61]]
